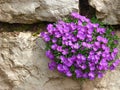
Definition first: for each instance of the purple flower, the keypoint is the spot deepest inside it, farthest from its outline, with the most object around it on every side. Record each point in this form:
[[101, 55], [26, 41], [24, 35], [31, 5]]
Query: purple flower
[[91, 58], [79, 56], [66, 29], [97, 44], [54, 46], [91, 75], [90, 26], [59, 48], [65, 43], [78, 73], [101, 39], [57, 35], [89, 46], [73, 58], [73, 51], [79, 23], [61, 22], [49, 55], [52, 65], [101, 30], [105, 40], [54, 40], [66, 61], [89, 36], [83, 66], [95, 48], [84, 44], [70, 43], [62, 68], [74, 39], [107, 49], [95, 25], [84, 19], [114, 65], [103, 65], [47, 39], [103, 62], [90, 31], [100, 74], [103, 46], [45, 36], [73, 26], [69, 74], [63, 59], [85, 75], [76, 46], [65, 52], [50, 29], [115, 50], [42, 34], [80, 59], [82, 30], [113, 55], [81, 36], [99, 53], [113, 33], [60, 28], [75, 15], [92, 66], [91, 52], [115, 41]]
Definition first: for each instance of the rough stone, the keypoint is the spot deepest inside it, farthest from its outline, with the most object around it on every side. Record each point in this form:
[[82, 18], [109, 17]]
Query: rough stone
[[31, 11], [24, 66], [108, 11]]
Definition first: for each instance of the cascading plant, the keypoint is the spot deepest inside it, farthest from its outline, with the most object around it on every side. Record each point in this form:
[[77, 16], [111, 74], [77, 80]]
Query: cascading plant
[[78, 47]]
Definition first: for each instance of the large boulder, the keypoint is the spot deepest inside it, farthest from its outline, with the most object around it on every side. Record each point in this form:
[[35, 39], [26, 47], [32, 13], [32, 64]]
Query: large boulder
[[107, 11], [31, 11]]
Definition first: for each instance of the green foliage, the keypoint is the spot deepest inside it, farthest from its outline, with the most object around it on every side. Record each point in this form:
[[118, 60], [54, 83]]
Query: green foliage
[[95, 20]]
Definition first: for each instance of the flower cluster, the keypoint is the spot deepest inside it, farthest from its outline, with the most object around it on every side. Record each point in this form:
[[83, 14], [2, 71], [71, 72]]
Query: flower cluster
[[79, 48]]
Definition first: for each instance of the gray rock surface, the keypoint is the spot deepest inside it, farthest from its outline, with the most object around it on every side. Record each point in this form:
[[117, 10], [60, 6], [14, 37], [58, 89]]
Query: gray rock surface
[[107, 10], [31, 11]]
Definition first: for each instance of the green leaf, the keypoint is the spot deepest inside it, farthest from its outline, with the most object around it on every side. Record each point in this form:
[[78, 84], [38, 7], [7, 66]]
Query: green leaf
[[72, 68]]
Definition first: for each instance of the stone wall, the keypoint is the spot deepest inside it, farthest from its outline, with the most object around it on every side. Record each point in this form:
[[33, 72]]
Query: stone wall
[[24, 66], [32, 11]]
